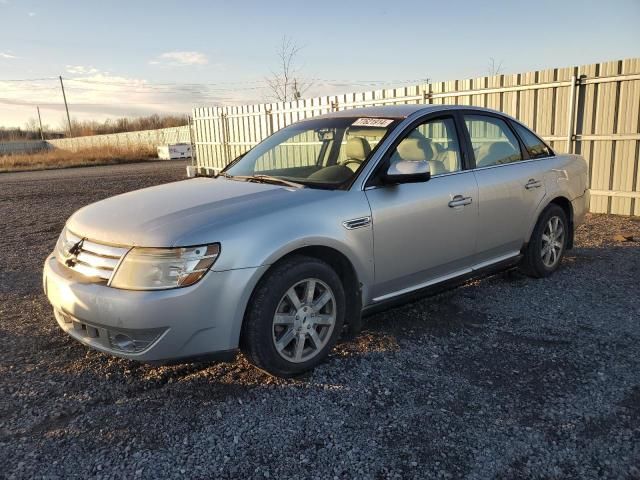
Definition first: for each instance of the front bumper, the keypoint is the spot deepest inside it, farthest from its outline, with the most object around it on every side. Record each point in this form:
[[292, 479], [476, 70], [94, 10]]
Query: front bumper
[[182, 323]]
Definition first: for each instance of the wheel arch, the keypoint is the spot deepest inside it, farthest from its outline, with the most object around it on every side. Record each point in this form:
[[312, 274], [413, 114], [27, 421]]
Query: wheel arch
[[564, 203], [340, 263]]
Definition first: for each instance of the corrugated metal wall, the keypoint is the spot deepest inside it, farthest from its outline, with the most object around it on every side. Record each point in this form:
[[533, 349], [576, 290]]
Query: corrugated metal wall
[[593, 110], [145, 138], [27, 146]]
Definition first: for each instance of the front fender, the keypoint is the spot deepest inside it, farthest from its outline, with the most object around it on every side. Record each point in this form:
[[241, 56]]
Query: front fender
[[356, 247], [263, 240]]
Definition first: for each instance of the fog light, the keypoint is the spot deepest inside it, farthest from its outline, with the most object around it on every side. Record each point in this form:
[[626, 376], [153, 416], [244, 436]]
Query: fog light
[[124, 342], [133, 341]]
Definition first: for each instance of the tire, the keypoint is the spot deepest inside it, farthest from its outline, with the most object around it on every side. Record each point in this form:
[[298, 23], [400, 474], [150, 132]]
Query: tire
[[542, 258], [275, 325]]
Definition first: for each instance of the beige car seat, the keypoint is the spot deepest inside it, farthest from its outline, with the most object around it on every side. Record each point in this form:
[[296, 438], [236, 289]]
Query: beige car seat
[[357, 150], [448, 156], [494, 153], [416, 148]]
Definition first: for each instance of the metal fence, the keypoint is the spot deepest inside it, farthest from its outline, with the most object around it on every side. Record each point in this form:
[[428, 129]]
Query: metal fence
[[26, 146], [593, 110], [143, 138]]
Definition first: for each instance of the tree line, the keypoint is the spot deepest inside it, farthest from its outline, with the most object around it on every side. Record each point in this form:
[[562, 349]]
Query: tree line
[[84, 128]]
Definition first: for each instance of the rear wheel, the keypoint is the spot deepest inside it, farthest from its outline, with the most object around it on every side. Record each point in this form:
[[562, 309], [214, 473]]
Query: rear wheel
[[295, 317], [548, 243]]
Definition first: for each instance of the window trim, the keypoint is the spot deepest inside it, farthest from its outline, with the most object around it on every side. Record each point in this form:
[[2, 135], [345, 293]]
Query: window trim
[[515, 123], [374, 176]]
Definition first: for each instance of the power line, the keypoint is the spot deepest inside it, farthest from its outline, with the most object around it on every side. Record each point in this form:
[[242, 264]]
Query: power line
[[9, 101], [244, 82], [234, 82], [170, 84], [187, 93], [190, 90], [199, 89], [29, 79]]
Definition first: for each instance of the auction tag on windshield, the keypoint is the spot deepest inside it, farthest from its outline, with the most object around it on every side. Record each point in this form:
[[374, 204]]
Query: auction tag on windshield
[[371, 122]]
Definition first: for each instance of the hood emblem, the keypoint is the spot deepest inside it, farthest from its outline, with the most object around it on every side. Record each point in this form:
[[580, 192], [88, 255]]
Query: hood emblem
[[71, 254]]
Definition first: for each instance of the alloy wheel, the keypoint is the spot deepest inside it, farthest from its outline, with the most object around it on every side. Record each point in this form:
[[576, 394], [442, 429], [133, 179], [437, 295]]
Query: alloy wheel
[[552, 242], [304, 320]]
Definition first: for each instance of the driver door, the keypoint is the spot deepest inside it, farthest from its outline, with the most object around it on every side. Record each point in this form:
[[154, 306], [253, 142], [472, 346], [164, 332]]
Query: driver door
[[424, 232]]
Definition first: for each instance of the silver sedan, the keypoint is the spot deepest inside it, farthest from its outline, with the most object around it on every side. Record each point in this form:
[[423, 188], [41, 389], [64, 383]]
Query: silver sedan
[[326, 220]]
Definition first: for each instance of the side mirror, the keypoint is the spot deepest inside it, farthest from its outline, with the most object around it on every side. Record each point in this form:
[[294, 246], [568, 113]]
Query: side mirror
[[405, 171]]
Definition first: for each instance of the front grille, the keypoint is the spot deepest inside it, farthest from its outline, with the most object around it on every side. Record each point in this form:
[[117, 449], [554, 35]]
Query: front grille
[[89, 334], [91, 259], [82, 329], [106, 338]]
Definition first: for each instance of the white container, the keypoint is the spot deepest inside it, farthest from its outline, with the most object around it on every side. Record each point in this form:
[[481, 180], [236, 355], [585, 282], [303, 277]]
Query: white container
[[174, 151]]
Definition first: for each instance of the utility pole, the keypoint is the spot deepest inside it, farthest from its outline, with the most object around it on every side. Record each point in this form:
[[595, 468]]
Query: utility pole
[[65, 104], [296, 93], [40, 122]]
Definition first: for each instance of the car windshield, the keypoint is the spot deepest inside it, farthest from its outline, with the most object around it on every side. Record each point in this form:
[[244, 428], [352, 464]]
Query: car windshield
[[322, 153]]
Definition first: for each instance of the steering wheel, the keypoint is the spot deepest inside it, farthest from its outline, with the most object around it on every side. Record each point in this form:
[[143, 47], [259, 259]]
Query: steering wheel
[[351, 160]]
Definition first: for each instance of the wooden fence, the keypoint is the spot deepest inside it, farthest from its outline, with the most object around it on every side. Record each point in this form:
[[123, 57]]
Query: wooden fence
[[593, 110]]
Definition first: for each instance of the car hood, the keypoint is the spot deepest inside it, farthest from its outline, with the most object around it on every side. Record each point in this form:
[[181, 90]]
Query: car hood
[[164, 215]]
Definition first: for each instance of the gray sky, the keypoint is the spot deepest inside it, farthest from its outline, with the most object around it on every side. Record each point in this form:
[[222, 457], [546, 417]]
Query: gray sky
[[137, 57]]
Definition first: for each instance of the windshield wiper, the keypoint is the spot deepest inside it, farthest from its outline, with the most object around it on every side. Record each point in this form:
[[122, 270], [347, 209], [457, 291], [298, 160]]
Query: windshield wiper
[[264, 179], [270, 179]]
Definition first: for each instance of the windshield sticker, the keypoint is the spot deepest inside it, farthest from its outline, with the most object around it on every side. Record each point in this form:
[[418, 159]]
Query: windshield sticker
[[372, 122]]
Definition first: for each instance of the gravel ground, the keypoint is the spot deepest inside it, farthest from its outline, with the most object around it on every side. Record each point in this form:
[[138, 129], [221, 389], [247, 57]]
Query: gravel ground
[[504, 377]]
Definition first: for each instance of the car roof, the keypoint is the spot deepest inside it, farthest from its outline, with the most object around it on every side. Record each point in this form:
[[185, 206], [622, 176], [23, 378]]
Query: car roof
[[400, 111]]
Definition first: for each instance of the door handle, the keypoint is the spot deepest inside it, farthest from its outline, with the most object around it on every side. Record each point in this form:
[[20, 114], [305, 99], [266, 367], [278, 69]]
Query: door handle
[[533, 183], [459, 201]]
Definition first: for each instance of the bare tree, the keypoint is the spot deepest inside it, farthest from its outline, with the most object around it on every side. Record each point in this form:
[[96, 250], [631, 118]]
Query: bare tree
[[31, 126], [494, 67], [286, 84]]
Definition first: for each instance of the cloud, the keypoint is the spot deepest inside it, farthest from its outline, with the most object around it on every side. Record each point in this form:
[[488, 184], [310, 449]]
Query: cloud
[[32, 14], [180, 59], [81, 70], [102, 95], [7, 55]]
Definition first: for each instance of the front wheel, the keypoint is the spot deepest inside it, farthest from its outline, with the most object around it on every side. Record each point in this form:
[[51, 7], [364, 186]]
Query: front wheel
[[295, 317], [548, 243]]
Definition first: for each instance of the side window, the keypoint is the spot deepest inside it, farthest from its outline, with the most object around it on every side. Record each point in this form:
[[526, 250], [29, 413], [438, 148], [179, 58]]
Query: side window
[[492, 140], [435, 141], [535, 146]]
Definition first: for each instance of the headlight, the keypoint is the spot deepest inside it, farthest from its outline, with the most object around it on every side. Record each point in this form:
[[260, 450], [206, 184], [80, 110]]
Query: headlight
[[162, 268]]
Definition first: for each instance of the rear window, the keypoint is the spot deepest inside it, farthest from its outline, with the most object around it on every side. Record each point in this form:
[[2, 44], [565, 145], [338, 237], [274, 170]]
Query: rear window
[[493, 141], [535, 146]]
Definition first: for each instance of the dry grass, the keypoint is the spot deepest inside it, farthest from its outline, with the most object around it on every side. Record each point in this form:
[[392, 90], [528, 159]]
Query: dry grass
[[57, 158]]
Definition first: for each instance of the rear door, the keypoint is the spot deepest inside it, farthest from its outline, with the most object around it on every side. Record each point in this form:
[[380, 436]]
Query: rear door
[[425, 231], [510, 186]]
